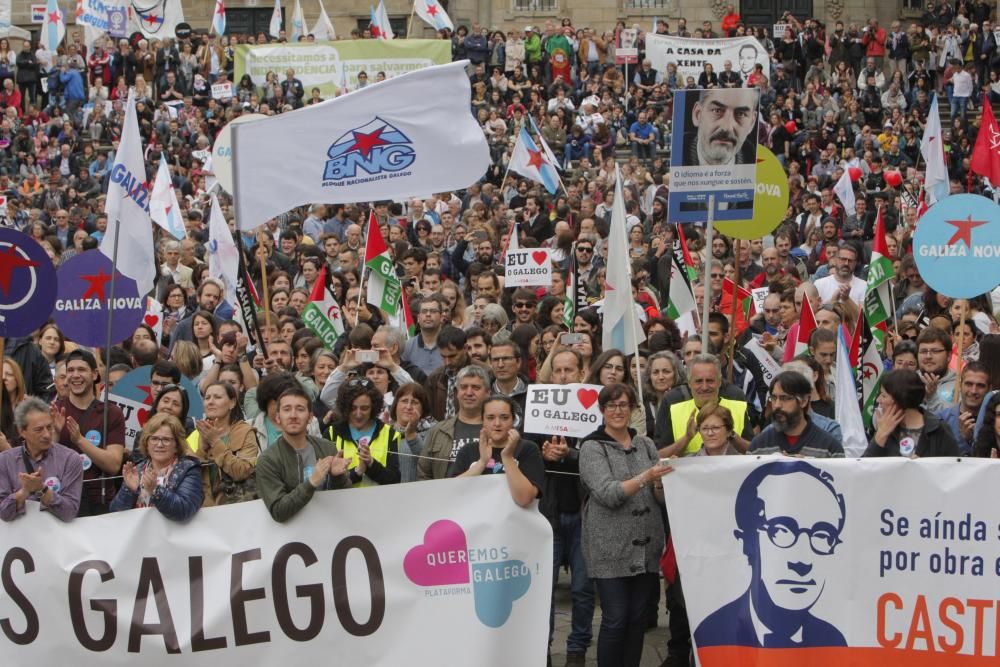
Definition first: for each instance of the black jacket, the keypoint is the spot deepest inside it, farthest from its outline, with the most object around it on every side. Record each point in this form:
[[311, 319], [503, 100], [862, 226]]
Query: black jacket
[[34, 367], [935, 440]]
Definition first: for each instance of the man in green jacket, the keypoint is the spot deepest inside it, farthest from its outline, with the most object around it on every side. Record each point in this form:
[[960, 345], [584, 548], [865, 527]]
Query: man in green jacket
[[532, 47], [291, 470]]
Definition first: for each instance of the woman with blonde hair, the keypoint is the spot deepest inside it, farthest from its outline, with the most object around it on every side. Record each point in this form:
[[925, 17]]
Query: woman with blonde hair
[[188, 359], [13, 381], [168, 478], [456, 304]]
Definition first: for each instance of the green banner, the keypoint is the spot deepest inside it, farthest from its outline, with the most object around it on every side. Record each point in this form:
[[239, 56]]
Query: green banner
[[330, 65]]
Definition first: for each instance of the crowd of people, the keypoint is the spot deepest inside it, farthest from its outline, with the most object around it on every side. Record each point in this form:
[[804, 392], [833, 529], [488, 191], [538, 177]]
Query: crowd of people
[[386, 406]]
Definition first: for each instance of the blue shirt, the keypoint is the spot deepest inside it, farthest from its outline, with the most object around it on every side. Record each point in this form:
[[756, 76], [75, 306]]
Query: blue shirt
[[423, 358], [641, 130]]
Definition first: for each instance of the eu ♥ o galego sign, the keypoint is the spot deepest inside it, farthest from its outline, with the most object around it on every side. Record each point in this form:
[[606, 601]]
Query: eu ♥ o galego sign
[[527, 267], [569, 410]]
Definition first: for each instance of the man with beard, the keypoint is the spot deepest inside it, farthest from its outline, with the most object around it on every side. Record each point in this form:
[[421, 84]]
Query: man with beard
[[791, 431], [772, 269], [843, 284], [483, 253]]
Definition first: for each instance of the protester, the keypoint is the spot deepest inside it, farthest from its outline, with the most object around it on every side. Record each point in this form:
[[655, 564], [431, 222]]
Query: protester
[[903, 426], [228, 445], [168, 478]]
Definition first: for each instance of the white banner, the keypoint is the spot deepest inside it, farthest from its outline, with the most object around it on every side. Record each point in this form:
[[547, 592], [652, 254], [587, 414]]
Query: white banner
[[690, 54], [222, 91], [394, 575], [570, 410], [868, 562], [390, 140], [769, 368], [528, 266]]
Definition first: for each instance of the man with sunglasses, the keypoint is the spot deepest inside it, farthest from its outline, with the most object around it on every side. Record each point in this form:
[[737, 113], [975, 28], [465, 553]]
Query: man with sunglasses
[[523, 304], [788, 546], [585, 263], [791, 431]]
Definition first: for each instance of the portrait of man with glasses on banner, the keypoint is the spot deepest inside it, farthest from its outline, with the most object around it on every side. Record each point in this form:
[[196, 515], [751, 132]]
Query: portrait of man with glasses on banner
[[789, 518]]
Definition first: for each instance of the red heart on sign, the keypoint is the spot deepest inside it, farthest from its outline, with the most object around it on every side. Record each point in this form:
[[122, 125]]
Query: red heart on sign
[[152, 320], [539, 256], [143, 416], [587, 397]]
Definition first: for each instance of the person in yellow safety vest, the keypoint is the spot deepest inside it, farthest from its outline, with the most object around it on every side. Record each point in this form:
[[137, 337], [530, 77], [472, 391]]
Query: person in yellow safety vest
[[370, 446], [676, 431]]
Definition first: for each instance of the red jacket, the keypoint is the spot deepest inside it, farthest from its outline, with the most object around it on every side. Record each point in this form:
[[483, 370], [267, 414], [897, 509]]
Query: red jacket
[[874, 45]]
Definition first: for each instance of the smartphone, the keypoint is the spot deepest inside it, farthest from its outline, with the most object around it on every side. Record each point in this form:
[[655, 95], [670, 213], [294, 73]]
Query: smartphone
[[366, 356], [571, 338]]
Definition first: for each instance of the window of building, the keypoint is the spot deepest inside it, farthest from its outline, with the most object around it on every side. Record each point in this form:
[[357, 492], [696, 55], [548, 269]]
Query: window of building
[[536, 5]]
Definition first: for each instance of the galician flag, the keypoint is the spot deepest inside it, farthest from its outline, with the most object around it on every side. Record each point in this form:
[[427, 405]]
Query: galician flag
[[569, 299], [844, 189], [54, 29], [322, 313], [847, 411], [223, 253], [530, 162], [380, 26], [383, 283], [932, 149], [219, 18], [878, 304], [274, 29], [298, 23], [621, 321], [549, 155], [871, 379], [323, 30], [163, 207], [127, 208], [433, 14]]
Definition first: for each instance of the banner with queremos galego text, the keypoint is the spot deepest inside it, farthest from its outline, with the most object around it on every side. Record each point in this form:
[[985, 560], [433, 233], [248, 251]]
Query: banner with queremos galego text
[[883, 562], [450, 572]]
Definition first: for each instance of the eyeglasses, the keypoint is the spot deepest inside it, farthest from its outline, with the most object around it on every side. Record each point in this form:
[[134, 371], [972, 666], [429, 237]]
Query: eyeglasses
[[781, 398], [927, 353], [360, 382], [161, 440], [718, 276], [711, 429], [622, 406], [784, 533], [431, 311], [502, 360], [584, 249], [524, 304], [172, 387]]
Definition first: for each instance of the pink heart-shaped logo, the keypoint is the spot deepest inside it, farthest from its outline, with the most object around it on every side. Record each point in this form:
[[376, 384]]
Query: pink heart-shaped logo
[[539, 256], [587, 397], [442, 558], [152, 320], [143, 416]]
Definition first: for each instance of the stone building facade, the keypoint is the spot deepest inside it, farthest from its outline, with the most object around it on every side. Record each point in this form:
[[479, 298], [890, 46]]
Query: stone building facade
[[254, 15]]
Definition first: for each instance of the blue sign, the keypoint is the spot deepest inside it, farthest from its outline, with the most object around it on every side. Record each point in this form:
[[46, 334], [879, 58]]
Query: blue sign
[[117, 22], [713, 152], [957, 246], [27, 284], [82, 302], [133, 393]]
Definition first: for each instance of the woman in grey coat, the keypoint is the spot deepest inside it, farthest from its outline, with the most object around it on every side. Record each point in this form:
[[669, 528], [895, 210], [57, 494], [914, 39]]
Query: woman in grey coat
[[622, 529]]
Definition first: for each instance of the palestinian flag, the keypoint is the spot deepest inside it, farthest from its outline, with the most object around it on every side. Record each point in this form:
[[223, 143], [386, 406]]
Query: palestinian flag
[[383, 283], [878, 304], [322, 313], [807, 324], [689, 265], [744, 301], [681, 300], [403, 320], [569, 299], [871, 372]]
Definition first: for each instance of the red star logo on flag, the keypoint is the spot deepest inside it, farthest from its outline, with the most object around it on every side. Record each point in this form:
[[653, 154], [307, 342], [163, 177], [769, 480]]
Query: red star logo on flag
[[432, 9], [10, 260], [364, 143], [149, 393], [376, 33], [79, 8], [97, 283], [54, 17], [152, 18], [221, 11], [964, 230], [535, 160]]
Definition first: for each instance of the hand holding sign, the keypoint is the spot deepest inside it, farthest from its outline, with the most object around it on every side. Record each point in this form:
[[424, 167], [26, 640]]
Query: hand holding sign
[[568, 410]]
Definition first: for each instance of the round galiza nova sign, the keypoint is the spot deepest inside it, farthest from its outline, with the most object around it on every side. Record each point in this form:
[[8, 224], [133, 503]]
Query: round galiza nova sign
[[84, 299], [957, 246], [770, 200], [27, 284]]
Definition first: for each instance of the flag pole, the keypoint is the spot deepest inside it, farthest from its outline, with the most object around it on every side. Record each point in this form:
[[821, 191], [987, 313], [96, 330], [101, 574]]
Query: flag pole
[[409, 22], [958, 361], [732, 324], [707, 301], [892, 303], [263, 278], [107, 348]]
